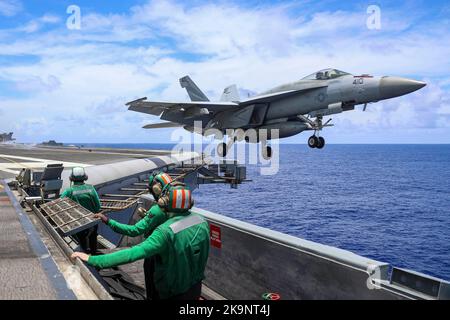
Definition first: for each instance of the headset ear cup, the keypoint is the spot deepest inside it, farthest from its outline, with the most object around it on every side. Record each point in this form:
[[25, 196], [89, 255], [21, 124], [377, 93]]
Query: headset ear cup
[[157, 189], [162, 202]]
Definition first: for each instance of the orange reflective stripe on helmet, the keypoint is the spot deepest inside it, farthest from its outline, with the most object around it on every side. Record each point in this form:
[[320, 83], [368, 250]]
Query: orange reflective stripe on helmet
[[180, 199], [174, 198], [166, 178], [183, 199]]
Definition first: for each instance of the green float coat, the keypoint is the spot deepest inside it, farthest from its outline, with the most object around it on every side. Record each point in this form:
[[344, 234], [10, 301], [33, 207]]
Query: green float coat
[[84, 194], [181, 254]]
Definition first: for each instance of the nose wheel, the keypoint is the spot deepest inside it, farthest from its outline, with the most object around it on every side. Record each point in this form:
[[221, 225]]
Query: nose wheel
[[317, 125], [316, 142]]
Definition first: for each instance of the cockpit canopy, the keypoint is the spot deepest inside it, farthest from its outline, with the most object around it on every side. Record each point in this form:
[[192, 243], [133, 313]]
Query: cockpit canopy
[[326, 74]]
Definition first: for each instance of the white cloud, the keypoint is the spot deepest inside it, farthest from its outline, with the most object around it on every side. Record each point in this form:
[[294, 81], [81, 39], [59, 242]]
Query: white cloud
[[82, 78], [30, 126], [37, 84], [330, 24], [220, 29], [10, 8], [36, 24]]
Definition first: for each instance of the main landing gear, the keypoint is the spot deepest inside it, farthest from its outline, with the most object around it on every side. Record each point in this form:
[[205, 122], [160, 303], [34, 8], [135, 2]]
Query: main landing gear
[[266, 151], [316, 142], [222, 149]]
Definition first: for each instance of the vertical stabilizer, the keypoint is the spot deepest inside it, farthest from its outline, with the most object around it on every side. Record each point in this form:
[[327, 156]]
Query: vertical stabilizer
[[230, 94], [193, 91]]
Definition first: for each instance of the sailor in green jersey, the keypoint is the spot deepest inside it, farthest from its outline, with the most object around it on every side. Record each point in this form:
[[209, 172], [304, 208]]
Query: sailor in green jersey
[[153, 218], [85, 195], [181, 245]]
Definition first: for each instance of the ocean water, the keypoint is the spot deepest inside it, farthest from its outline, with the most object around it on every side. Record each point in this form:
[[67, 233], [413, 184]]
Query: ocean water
[[386, 202]]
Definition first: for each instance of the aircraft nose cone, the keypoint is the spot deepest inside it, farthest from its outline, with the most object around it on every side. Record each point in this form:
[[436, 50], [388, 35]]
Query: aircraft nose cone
[[391, 87]]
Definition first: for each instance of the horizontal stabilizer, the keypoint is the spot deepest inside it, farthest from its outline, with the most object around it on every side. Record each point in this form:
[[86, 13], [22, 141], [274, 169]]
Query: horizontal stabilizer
[[162, 125]]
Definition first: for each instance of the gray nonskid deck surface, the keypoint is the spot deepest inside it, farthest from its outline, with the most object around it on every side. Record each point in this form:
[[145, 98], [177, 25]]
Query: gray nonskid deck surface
[[21, 273], [26, 269]]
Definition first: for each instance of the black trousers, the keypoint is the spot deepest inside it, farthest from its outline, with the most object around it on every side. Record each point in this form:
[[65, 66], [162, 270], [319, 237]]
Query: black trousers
[[149, 272], [88, 240], [193, 293]]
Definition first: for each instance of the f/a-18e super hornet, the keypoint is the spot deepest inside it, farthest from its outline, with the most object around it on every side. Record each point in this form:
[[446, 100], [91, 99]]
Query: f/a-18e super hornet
[[291, 108]]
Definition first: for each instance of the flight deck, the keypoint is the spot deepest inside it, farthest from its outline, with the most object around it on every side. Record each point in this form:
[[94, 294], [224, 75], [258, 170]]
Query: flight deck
[[245, 262], [13, 157]]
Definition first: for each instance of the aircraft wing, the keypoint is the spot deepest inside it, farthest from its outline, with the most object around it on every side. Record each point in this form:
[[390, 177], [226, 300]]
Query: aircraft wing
[[266, 98], [157, 108]]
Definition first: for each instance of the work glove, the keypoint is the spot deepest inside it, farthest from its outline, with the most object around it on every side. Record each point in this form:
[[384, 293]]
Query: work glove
[[142, 212], [102, 217]]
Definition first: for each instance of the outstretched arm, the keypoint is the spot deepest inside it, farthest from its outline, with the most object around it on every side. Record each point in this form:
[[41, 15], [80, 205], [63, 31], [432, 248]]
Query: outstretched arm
[[154, 217], [131, 230], [154, 244]]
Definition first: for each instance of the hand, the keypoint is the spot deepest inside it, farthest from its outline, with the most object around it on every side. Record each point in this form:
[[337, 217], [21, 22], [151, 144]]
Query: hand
[[142, 212], [102, 217], [83, 256]]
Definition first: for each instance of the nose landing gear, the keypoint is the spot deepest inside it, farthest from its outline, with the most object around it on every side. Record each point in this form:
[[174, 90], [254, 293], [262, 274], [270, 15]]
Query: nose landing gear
[[316, 142]]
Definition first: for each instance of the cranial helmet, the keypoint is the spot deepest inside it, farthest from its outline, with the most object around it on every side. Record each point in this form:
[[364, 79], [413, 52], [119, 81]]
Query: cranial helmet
[[78, 175], [176, 198], [157, 182]]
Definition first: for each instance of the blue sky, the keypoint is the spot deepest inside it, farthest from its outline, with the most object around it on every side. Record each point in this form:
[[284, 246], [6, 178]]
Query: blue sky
[[71, 85]]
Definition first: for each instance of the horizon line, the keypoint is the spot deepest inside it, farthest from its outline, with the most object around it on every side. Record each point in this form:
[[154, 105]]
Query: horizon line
[[281, 143]]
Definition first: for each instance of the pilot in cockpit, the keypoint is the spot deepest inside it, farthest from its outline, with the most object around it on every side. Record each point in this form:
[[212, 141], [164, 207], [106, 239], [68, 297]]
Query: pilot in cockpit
[[320, 76]]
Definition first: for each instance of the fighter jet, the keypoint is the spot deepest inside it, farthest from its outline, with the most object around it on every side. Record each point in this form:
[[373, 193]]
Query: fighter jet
[[291, 108]]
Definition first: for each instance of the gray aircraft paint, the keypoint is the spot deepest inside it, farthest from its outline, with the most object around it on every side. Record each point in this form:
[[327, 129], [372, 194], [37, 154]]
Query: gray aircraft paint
[[290, 107]]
